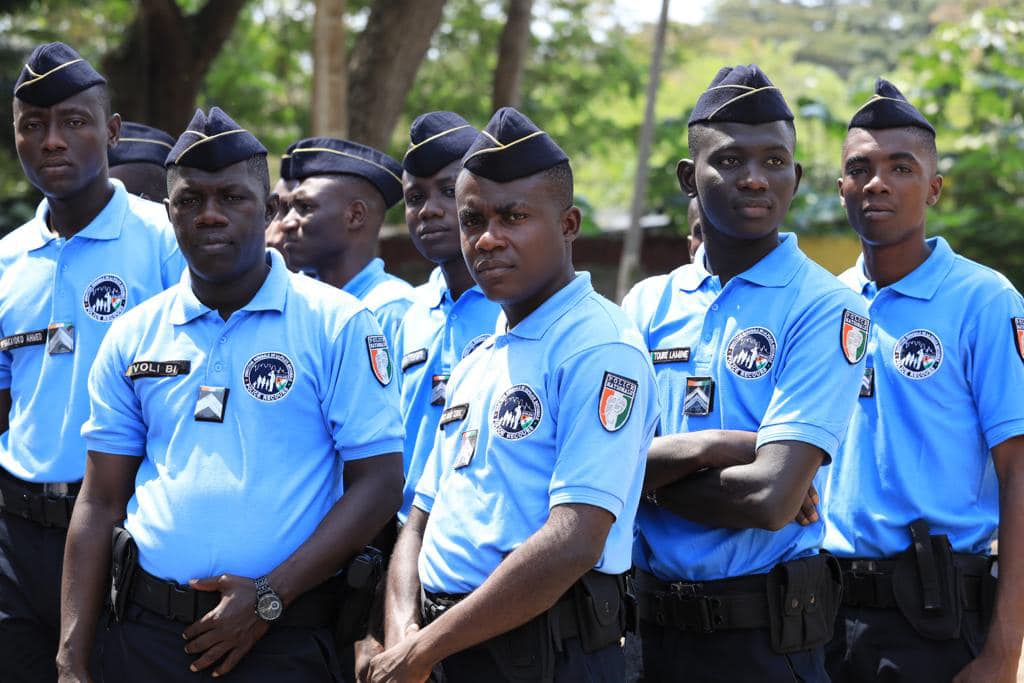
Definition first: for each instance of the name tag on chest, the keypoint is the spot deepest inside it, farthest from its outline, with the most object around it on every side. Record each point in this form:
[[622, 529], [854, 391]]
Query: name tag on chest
[[453, 414], [157, 368], [677, 355]]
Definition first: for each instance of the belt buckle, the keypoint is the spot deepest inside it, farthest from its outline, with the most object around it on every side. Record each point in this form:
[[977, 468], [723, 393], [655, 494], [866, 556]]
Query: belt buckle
[[687, 591], [692, 595], [181, 603]]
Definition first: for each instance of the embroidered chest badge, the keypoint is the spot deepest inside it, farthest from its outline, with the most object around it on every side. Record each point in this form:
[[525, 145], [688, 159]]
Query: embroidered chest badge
[[751, 352], [105, 298], [1018, 335], [517, 413], [616, 404], [473, 343], [268, 377], [853, 338], [380, 358], [917, 354]]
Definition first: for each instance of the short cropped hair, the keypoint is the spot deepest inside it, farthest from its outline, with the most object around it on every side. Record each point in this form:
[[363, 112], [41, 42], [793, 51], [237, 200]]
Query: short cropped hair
[[559, 179]]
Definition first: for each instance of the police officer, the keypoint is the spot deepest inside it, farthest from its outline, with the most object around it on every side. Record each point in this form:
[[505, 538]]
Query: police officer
[[521, 524], [934, 458], [241, 422], [91, 252], [757, 390], [282, 190], [138, 160], [452, 316], [334, 219]]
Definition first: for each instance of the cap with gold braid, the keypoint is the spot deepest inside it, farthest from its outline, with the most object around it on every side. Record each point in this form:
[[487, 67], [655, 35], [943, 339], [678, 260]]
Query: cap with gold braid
[[53, 73], [139, 143], [740, 94], [436, 139], [511, 147], [888, 108], [212, 142], [325, 156]]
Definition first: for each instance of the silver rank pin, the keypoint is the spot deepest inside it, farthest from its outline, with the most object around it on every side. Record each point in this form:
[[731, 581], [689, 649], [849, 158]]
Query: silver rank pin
[[211, 404], [60, 338]]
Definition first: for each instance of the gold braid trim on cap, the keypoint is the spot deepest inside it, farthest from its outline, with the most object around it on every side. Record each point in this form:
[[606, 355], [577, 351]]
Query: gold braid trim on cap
[[39, 77], [434, 137], [152, 142], [876, 97], [204, 138], [350, 156], [502, 147]]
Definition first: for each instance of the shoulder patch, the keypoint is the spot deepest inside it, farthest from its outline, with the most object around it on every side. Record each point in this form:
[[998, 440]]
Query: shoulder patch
[[917, 354], [853, 336], [677, 355], [105, 298], [616, 404], [380, 358], [414, 358], [157, 368], [1018, 335], [268, 377], [517, 413], [751, 352]]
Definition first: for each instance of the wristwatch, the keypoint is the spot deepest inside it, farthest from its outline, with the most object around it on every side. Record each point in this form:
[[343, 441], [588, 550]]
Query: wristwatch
[[269, 606]]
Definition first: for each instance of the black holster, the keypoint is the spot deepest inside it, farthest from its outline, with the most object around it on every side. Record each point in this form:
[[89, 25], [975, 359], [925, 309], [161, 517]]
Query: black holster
[[803, 600], [927, 586], [603, 611], [363, 578], [124, 560]]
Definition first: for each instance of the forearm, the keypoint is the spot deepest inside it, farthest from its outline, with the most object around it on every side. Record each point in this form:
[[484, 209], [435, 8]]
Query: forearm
[[677, 456], [402, 602], [1007, 627], [368, 504], [85, 579], [528, 582]]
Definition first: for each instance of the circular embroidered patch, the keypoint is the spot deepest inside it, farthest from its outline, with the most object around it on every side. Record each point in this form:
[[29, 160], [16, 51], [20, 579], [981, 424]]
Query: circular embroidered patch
[[473, 343], [268, 376], [751, 352], [105, 298], [917, 354], [517, 413]]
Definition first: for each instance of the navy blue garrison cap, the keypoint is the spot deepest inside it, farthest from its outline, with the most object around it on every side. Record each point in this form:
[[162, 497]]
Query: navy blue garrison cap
[[53, 73], [286, 162], [212, 142], [323, 156], [740, 94], [437, 139], [511, 147], [888, 108], [139, 143]]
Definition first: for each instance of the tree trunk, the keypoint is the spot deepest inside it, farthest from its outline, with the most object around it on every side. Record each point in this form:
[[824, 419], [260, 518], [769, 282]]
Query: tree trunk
[[330, 70], [515, 41], [384, 62], [156, 73], [634, 237]]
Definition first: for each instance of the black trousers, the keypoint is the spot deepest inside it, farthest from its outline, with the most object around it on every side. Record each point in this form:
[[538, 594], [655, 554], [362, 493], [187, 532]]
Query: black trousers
[[148, 647], [572, 665], [736, 656], [31, 558], [873, 644]]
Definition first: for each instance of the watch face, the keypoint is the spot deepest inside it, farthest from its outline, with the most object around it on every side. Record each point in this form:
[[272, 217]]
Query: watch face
[[269, 607]]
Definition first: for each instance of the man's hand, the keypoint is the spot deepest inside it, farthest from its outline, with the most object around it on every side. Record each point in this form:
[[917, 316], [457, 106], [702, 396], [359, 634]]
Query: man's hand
[[401, 663], [230, 629], [989, 669], [809, 508], [364, 651]]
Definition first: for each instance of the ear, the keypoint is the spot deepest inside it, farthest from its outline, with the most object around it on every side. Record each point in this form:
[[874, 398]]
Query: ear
[[113, 130], [842, 197], [167, 208], [934, 190], [685, 175], [270, 208], [799, 170], [572, 219], [355, 214]]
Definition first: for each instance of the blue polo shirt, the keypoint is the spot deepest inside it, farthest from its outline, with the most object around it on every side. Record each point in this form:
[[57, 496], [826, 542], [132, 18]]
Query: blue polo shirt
[[388, 297], [239, 496], [434, 285], [767, 349], [946, 368], [124, 256], [435, 335], [560, 409]]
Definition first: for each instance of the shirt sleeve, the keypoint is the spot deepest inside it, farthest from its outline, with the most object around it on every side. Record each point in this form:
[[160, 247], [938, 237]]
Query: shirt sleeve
[[995, 367], [5, 370], [607, 407], [362, 412], [816, 388], [115, 423], [430, 478]]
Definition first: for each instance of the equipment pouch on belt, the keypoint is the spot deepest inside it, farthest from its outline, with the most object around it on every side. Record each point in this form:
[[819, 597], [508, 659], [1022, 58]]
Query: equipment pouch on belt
[[600, 610], [362, 577], [803, 600], [124, 559], [926, 585]]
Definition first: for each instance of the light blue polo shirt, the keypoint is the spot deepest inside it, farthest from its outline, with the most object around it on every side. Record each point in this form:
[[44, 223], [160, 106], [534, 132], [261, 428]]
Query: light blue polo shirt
[[560, 409], [124, 256], [435, 335], [770, 341], [239, 496], [388, 297], [947, 356], [434, 285]]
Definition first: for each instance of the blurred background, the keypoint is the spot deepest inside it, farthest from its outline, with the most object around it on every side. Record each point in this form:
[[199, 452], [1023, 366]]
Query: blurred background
[[364, 69]]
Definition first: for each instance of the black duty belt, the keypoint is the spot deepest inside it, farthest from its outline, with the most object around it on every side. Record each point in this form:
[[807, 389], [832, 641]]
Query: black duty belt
[[315, 609], [868, 582], [565, 621], [49, 505], [704, 606]]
